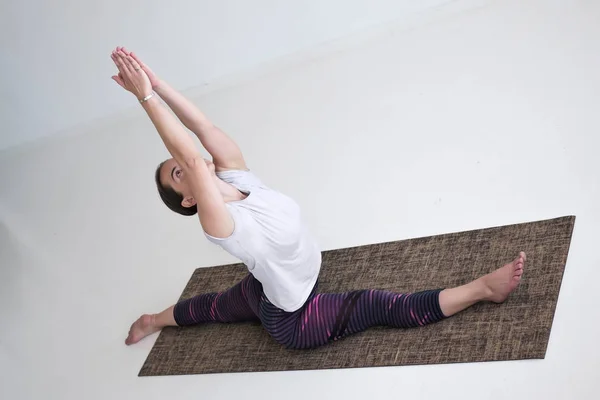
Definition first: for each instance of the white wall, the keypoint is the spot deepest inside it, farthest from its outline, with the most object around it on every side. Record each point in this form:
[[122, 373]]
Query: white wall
[[55, 54], [476, 120]]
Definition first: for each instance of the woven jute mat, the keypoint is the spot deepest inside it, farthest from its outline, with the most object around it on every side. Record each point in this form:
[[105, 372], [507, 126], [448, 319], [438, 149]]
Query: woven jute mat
[[517, 329]]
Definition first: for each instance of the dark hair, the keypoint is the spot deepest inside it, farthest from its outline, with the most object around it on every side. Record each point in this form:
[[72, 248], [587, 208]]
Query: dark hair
[[171, 198]]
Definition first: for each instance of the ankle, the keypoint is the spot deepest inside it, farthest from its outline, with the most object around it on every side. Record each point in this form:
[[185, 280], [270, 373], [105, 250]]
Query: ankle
[[483, 290], [479, 290], [153, 321]]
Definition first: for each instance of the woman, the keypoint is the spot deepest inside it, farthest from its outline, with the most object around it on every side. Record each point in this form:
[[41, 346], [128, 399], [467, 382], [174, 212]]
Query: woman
[[263, 228]]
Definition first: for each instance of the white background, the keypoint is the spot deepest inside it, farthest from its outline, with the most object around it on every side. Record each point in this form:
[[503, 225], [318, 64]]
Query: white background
[[55, 54], [472, 119]]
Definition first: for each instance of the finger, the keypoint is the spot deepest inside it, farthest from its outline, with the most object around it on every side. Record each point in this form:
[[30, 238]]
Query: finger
[[129, 62], [125, 51], [117, 61], [134, 63], [136, 58], [128, 68], [117, 49], [119, 80]]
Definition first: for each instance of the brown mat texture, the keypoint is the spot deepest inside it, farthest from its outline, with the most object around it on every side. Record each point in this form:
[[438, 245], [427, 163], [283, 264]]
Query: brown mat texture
[[517, 329]]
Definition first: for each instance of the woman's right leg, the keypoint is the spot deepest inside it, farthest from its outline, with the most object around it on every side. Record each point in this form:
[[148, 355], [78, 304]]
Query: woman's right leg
[[331, 316], [237, 304]]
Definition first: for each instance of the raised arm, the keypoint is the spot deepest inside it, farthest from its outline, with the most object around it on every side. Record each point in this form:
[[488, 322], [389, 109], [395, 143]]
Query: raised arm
[[225, 152], [213, 213]]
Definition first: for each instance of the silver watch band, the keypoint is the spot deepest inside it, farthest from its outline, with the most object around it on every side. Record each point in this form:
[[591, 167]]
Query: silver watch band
[[151, 95]]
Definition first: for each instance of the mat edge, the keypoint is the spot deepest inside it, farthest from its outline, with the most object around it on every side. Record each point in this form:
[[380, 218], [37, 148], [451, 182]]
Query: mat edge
[[416, 238]]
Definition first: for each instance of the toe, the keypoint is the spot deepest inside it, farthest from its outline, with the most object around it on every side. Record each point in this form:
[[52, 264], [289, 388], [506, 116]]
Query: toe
[[132, 339], [523, 255], [519, 265], [515, 263], [518, 272]]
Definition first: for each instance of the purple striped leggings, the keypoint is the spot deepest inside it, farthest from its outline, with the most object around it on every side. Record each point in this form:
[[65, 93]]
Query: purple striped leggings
[[323, 317]]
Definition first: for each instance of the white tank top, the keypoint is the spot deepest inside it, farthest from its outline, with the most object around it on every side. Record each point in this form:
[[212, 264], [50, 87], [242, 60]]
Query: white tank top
[[272, 240]]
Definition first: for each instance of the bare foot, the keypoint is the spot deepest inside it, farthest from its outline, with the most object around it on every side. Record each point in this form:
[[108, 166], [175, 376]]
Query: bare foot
[[141, 328], [500, 283]]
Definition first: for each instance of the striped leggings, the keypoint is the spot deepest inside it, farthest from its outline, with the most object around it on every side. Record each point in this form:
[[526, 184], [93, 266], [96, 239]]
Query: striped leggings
[[323, 317]]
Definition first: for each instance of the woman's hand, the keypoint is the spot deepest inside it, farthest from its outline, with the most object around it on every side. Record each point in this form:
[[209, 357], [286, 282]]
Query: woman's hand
[[154, 80], [131, 76]]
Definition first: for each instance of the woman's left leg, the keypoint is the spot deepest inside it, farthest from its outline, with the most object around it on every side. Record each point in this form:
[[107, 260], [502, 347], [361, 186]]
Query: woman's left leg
[[326, 317], [237, 304]]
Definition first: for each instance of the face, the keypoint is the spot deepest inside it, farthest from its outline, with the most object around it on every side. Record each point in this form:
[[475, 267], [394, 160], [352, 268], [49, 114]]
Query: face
[[172, 175]]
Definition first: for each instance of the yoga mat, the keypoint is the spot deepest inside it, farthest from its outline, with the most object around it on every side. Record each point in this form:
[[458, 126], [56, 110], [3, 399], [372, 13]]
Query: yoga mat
[[517, 329]]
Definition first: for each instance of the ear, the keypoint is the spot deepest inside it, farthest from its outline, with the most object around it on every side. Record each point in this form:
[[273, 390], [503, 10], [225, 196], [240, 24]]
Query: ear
[[188, 202]]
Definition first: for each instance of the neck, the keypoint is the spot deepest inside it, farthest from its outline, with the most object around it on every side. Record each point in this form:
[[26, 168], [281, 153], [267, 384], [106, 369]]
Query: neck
[[229, 192]]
